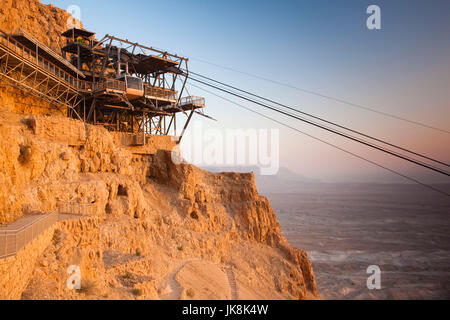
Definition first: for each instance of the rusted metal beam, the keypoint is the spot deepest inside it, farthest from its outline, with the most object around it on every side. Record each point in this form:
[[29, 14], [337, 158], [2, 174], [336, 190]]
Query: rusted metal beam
[[164, 53], [185, 126]]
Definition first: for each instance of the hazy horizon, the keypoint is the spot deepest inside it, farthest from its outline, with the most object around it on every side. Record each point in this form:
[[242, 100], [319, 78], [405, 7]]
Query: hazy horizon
[[293, 175]]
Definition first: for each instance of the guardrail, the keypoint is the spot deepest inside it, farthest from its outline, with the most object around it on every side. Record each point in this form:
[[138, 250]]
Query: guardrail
[[160, 92], [33, 57], [192, 100], [13, 239], [133, 139], [73, 207], [116, 85]]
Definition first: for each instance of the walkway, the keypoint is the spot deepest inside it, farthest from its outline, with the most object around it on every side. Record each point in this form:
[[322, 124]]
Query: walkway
[[17, 235], [176, 289]]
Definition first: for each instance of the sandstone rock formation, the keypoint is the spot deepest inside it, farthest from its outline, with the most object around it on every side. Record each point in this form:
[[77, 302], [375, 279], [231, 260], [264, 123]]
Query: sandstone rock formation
[[44, 22], [152, 227]]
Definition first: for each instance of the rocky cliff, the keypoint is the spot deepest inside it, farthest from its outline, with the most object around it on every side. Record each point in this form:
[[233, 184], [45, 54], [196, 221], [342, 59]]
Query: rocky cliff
[[44, 22], [154, 230]]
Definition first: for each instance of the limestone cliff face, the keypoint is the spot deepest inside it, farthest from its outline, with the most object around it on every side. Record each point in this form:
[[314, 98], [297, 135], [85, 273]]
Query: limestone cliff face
[[230, 202], [148, 218], [44, 22], [154, 229]]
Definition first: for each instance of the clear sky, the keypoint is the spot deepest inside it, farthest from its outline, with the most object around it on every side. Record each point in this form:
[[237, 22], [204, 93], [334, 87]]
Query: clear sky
[[323, 46]]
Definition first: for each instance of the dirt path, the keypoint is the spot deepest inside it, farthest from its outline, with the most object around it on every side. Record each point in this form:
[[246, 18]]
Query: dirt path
[[175, 293], [176, 289]]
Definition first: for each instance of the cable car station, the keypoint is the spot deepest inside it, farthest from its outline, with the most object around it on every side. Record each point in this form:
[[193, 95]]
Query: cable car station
[[121, 85]]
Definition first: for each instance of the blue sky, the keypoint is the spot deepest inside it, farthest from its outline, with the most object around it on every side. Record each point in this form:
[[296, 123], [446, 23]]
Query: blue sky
[[323, 46]]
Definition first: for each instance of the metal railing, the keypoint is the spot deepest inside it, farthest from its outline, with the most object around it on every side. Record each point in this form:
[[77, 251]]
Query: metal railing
[[192, 100], [73, 207], [33, 57], [157, 92], [12, 239], [139, 139], [133, 139], [116, 85]]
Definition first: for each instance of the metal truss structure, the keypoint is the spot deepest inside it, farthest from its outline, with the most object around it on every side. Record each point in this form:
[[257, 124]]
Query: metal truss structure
[[26, 70], [121, 85]]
